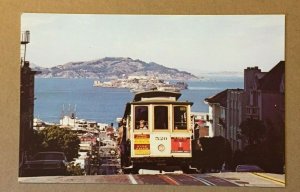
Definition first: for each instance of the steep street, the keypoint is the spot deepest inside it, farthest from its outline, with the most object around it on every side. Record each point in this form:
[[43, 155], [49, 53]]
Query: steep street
[[212, 179]]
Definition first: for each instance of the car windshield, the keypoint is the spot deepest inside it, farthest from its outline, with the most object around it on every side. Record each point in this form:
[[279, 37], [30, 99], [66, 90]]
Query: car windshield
[[49, 156]]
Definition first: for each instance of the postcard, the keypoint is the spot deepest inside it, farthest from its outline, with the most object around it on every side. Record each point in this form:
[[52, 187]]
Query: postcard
[[194, 100]]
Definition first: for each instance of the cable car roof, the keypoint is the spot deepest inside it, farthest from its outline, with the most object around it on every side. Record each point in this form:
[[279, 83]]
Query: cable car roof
[[150, 94]]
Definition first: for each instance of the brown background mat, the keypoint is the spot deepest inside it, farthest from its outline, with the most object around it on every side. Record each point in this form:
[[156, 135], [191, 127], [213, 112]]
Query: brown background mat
[[11, 10]]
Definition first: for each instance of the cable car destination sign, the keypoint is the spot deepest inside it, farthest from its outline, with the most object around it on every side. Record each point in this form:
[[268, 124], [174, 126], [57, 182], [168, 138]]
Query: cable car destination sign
[[142, 144]]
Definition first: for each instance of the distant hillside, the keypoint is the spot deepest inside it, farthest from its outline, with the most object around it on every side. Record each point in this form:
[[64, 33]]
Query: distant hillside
[[112, 68]]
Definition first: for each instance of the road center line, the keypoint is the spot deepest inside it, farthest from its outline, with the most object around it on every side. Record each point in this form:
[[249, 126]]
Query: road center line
[[269, 178], [132, 179]]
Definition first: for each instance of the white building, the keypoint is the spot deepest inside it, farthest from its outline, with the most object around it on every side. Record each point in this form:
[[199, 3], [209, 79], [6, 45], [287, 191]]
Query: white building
[[234, 117], [226, 114], [217, 110], [131, 77]]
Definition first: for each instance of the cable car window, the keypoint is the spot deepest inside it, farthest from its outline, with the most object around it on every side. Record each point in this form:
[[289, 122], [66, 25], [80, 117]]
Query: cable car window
[[180, 118], [161, 117], [141, 117]]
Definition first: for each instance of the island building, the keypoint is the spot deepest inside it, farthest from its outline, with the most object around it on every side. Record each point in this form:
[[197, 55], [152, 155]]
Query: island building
[[142, 83], [262, 98]]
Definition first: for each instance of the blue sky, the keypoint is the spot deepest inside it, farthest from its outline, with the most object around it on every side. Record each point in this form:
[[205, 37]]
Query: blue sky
[[192, 43]]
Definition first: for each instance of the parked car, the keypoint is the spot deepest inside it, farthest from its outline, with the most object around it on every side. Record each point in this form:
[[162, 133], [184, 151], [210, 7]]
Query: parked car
[[248, 168], [46, 163]]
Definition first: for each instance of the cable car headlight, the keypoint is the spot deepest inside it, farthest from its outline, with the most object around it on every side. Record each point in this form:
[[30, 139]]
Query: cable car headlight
[[161, 147], [112, 152]]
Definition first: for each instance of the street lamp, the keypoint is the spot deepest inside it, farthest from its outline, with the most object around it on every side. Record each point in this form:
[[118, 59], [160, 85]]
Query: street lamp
[[25, 39]]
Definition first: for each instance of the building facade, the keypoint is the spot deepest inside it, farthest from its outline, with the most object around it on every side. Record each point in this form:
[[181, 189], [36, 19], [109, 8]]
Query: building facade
[[202, 120], [264, 94], [226, 114], [234, 117], [217, 113], [26, 109], [252, 76], [262, 98]]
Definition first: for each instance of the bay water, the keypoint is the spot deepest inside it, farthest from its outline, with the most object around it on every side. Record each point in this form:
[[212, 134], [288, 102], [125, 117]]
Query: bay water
[[57, 96]]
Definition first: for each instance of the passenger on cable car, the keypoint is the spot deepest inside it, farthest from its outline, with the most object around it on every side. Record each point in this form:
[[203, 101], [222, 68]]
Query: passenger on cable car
[[142, 125]]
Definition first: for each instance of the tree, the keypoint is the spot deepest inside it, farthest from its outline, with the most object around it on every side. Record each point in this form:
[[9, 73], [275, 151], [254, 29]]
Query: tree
[[216, 151], [35, 143], [60, 139], [237, 159], [269, 154], [275, 146], [254, 130], [74, 169]]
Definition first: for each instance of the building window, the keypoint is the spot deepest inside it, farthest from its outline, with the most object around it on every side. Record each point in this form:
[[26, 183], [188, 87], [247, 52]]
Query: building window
[[248, 110], [251, 98], [254, 111], [141, 117], [161, 117], [180, 118]]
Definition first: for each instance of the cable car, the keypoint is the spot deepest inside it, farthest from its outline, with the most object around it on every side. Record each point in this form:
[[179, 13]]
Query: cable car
[[158, 133]]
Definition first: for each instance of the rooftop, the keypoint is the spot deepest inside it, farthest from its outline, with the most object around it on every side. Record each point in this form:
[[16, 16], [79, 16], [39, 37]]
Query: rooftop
[[149, 94], [271, 81], [220, 98]]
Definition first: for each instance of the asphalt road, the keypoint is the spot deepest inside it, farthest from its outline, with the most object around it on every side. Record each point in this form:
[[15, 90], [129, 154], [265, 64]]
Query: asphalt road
[[211, 179]]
